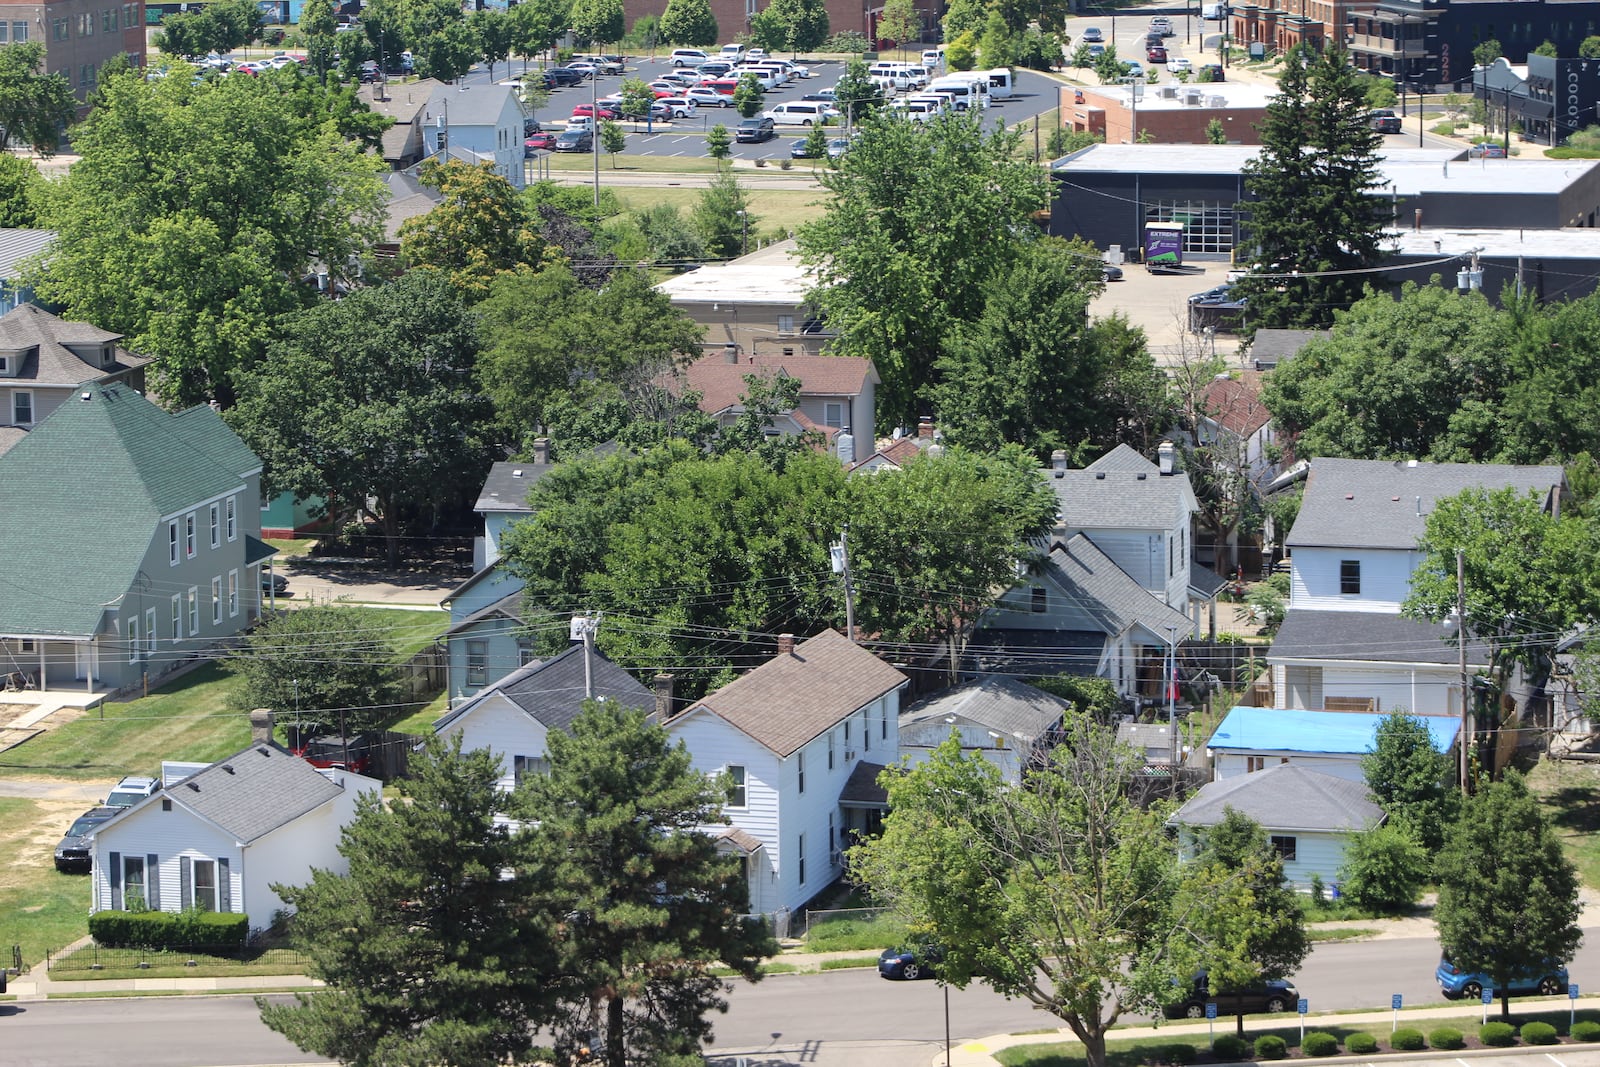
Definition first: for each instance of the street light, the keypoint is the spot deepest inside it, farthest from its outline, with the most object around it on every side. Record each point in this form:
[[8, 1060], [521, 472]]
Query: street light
[[744, 232]]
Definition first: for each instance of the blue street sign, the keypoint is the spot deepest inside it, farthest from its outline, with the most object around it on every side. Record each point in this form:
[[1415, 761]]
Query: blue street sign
[[1304, 1006], [1572, 991], [1211, 1011], [1394, 1002], [1488, 996]]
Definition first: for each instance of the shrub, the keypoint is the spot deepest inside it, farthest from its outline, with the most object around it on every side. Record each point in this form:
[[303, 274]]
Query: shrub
[[1384, 869], [1271, 1047], [1446, 1038], [163, 929], [1320, 1044], [1179, 1055], [1406, 1040], [1586, 1030], [1539, 1034], [846, 41], [1497, 1034], [1361, 1043], [1229, 1047]]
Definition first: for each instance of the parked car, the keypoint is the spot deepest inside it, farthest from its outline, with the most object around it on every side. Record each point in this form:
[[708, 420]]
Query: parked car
[[565, 76], [753, 131], [1156, 54], [688, 57], [1454, 983], [1487, 150], [801, 149], [588, 70], [1132, 69], [599, 111], [1220, 294], [1096, 51], [821, 96], [575, 141], [131, 790], [716, 68], [1093, 35], [676, 107], [531, 127], [73, 852], [1212, 72], [708, 98], [274, 583], [1110, 272], [838, 146], [539, 142], [1179, 65], [1270, 997], [933, 59], [907, 964], [329, 751], [1385, 121]]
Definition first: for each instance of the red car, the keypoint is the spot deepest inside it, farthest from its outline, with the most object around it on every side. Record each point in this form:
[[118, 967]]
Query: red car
[[599, 113], [540, 142], [1156, 54]]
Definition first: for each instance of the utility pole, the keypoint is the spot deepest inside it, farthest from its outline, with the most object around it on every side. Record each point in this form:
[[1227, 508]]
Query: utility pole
[[1172, 705], [840, 556], [1461, 659], [594, 130]]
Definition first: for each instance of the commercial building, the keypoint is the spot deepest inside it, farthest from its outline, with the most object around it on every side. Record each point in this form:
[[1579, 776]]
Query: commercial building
[[79, 36], [1175, 113]]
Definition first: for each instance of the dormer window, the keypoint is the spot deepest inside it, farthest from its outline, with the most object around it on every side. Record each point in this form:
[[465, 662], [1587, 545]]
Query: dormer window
[[108, 355]]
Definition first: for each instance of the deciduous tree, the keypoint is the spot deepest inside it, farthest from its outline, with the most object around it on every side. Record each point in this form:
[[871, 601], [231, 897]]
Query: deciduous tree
[[34, 106], [1508, 896], [596, 21], [722, 216], [648, 905], [612, 139], [1384, 868], [1410, 779], [496, 32], [479, 230], [719, 143], [900, 21], [537, 24], [327, 665], [688, 22], [792, 25], [319, 32], [856, 94], [747, 95]]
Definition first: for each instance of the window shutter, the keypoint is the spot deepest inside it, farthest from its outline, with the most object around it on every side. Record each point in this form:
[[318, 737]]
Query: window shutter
[[152, 881], [224, 886], [114, 878], [185, 883]]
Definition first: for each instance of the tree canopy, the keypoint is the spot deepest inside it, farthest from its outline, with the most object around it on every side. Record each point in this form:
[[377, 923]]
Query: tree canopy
[[34, 106], [791, 25], [189, 239], [322, 664], [688, 22], [479, 230], [1314, 210], [1410, 779], [371, 402], [1508, 896]]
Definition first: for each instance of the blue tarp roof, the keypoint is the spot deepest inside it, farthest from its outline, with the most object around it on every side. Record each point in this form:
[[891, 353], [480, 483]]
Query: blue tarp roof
[[1282, 730]]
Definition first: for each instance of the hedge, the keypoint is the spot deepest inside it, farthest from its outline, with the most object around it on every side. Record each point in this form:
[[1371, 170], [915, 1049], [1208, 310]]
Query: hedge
[[1179, 1055], [1271, 1047], [1406, 1040], [165, 929], [1537, 1033], [1229, 1047], [1447, 1039], [1497, 1034], [1586, 1030], [1320, 1044], [1361, 1043]]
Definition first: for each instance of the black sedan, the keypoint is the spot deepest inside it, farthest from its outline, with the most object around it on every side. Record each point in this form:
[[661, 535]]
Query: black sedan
[[908, 964], [1270, 997], [575, 141], [565, 76], [752, 131]]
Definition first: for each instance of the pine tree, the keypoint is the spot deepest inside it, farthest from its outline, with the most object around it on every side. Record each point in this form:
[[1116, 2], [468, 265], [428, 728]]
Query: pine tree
[[649, 904], [1314, 210], [427, 950], [1508, 896]]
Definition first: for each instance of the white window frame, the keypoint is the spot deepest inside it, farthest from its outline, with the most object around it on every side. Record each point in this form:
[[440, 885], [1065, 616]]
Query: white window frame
[[194, 611], [133, 639], [17, 397], [829, 418], [172, 543], [739, 786], [233, 594], [216, 599], [477, 661], [188, 536], [177, 617], [130, 862], [522, 766], [233, 518], [195, 867], [801, 871], [150, 631], [216, 525]]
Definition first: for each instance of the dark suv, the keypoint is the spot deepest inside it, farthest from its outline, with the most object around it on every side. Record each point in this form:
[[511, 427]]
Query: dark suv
[[752, 131], [1270, 997], [1385, 121], [75, 852]]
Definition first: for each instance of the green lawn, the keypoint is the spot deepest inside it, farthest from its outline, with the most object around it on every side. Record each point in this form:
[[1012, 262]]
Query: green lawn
[[293, 546], [41, 909], [852, 935], [1571, 796], [788, 208], [124, 963], [413, 631], [421, 720]]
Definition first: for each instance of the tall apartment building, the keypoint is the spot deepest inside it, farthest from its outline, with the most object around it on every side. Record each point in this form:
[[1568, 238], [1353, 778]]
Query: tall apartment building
[[78, 35]]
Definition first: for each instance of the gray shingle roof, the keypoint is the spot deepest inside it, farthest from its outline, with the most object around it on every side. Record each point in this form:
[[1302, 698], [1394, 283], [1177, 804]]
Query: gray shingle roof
[[1123, 458], [1001, 704], [1367, 635], [1033, 653], [80, 498], [48, 361], [1363, 503], [1121, 490], [471, 105], [253, 792], [861, 789], [552, 691], [1271, 347], [506, 487], [17, 245], [1091, 580], [1285, 797], [508, 606]]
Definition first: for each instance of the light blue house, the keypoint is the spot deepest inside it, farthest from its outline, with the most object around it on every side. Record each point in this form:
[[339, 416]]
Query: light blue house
[[1332, 742]]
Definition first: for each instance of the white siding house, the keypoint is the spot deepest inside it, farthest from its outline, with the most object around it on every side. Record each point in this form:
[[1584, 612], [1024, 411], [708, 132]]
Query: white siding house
[[807, 732], [1008, 723], [221, 838]]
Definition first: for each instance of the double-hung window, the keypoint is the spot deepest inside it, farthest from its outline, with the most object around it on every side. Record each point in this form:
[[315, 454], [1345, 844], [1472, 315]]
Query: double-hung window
[[216, 526], [188, 536]]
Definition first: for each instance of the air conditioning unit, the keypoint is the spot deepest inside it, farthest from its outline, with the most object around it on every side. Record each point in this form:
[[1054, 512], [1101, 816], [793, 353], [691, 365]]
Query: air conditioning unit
[[835, 858], [848, 756]]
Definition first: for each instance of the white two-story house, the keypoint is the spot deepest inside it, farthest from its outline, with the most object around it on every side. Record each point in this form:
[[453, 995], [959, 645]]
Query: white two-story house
[[478, 124], [802, 738], [1343, 644]]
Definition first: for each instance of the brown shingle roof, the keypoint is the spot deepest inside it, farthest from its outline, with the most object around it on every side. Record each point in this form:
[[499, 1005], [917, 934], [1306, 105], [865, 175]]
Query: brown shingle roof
[[795, 696], [1235, 406], [722, 383]]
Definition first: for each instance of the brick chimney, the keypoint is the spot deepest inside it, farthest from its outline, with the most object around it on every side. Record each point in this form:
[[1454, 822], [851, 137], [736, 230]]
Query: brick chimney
[[786, 644], [662, 684], [1058, 460], [925, 428], [261, 726], [541, 451]]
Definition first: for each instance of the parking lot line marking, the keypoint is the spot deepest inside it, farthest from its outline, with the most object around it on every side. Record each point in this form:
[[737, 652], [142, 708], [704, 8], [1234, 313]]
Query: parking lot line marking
[[1553, 1060], [1463, 1062]]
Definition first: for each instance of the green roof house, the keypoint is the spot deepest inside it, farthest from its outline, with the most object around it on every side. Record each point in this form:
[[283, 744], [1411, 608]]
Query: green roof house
[[129, 541]]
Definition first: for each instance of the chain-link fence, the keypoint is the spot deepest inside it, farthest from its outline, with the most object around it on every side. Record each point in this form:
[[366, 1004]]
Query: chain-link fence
[[94, 957]]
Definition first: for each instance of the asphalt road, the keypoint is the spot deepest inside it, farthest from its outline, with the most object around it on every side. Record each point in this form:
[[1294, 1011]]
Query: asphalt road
[[831, 1019]]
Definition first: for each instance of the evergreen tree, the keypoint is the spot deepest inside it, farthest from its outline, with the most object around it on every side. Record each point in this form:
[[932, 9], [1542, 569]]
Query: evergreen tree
[[719, 143], [648, 904], [857, 95], [1410, 779], [1314, 210], [722, 215], [747, 95], [427, 946], [688, 22], [1508, 896]]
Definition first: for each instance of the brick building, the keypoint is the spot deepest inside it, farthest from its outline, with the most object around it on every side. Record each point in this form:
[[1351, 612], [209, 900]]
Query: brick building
[[1167, 114], [78, 35]]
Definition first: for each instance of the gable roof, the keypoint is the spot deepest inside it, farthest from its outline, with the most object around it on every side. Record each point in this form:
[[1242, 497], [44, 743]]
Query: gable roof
[[796, 696], [508, 606], [1001, 704], [1271, 347], [552, 691], [99, 474], [1361, 636], [471, 105], [490, 572], [506, 488], [48, 361], [1121, 490], [1373, 503], [1335, 732], [1235, 406], [1109, 594], [862, 789], [721, 383], [1285, 797], [250, 793]]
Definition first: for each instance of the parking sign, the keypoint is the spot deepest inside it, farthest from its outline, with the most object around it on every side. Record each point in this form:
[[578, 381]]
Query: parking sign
[[1394, 1002], [1304, 1006], [1211, 1010], [1572, 991], [1488, 996]]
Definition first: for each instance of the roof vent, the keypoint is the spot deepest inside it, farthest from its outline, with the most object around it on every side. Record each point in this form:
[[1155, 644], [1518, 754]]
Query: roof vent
[[1349, 496], [265, 751], [228, 767], [1099, 476], [1141, 476], [517, 473], [193, 785], [86, 395]]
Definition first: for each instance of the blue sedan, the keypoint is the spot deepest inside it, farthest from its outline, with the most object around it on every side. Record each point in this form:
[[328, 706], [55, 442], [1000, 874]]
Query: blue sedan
[[909, 964]]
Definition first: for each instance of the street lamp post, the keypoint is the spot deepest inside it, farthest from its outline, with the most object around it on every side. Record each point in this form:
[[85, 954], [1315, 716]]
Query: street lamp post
[[744, 232]]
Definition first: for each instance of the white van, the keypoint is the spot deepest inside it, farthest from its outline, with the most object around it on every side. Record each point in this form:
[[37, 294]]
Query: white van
[[933, 59], [1001, 84], [919, 108], [966, 91], [688, 57], [800, 113], [733, 52], [1212, 12]]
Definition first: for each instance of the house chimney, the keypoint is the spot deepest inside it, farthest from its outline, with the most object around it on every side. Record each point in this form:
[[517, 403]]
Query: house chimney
[[261, 727], [541, 450], [1164, 458], [786, 644], [662, 684], [730, 352], [1058, 460], [925, 428]]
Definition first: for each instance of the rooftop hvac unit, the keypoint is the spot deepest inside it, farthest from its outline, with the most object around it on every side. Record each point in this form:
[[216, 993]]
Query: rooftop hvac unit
[[1169, 92], [1191, 97], [1216, 101]]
